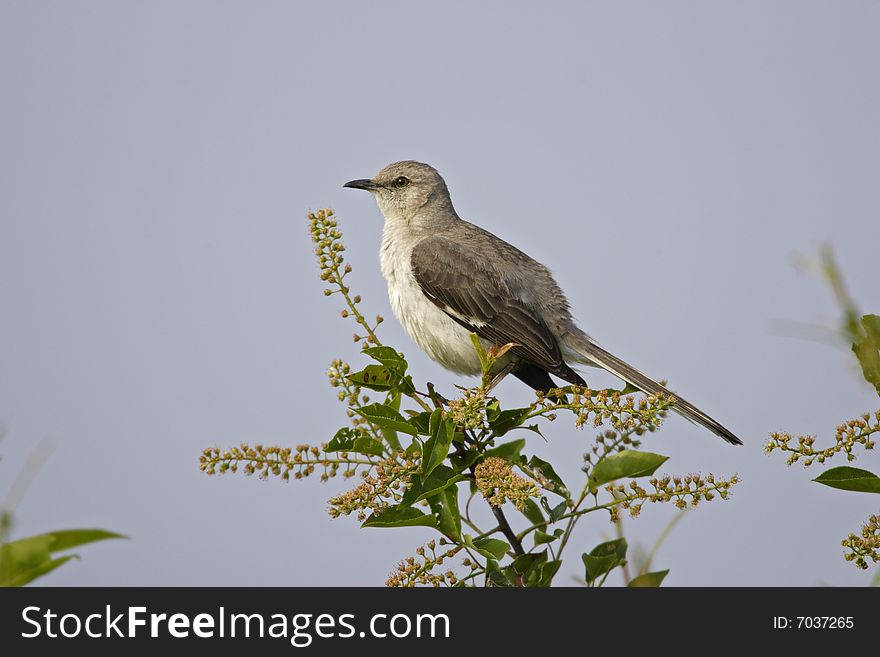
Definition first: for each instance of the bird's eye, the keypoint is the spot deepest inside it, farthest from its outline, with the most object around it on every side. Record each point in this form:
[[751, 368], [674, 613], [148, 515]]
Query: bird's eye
[[401, 181]]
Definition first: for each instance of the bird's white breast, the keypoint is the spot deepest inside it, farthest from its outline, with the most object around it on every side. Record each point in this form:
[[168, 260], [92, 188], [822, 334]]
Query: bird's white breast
[[439, 336]]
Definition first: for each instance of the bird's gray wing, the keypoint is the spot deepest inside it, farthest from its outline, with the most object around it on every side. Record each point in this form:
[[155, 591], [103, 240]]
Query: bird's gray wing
[[467, 289]]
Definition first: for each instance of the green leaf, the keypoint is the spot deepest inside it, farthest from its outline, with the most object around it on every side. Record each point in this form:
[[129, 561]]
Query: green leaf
[[368, 446], [617, 547], [548, 571], [375, 377], [494, 546], [388, 357], [529, 566], [439, 480], [532, 512], [481, 353], [556, 512], [406, 385], [493, 408], [595, 567], [18, 559], [652, 580], [504, 421], [343, 440], [542, 467], [534, 568], [867, 349], [352, 440], [29, 574], [496, 575], [463, 460], [544, 537], [603, 558], [437, 446], [383, 416], [852, 479], [871, 324], [414, 448], [422, 422], [628, 463], [508, 451], [437, 484], [445, 508], [390, 435], [395, 516], [24, 560], [71, 538], [534, 428], [491, 548]]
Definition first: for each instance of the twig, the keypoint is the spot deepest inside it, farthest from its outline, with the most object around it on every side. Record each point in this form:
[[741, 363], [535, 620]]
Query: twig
[[506, 530]]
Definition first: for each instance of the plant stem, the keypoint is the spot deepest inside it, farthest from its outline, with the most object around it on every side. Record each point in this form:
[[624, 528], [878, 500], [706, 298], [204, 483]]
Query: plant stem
[[507, 531], [598, 507], [663, 535], [609, 449], [359, 318]]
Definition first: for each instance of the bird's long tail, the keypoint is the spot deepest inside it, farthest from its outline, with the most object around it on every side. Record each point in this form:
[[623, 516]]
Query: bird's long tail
[[587, 352]]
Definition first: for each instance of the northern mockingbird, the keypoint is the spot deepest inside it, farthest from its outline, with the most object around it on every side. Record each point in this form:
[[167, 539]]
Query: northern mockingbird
[[448, 278]]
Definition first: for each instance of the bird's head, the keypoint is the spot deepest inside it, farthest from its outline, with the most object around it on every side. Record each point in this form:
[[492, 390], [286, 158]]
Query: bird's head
[[405, 190]]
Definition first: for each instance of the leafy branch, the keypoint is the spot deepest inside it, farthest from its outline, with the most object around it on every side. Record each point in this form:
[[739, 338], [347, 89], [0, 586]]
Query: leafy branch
[[862, 332], [26, 559], [415, 450]]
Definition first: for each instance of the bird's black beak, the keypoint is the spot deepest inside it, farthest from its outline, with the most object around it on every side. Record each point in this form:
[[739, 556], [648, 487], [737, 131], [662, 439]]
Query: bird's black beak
[[361, 183]]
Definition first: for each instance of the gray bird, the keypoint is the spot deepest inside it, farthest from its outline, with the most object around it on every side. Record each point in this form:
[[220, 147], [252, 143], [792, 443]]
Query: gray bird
[[448, 278]]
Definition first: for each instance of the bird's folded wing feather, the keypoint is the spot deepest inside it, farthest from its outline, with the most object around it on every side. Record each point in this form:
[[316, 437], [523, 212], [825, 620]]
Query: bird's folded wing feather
[[459, 283]]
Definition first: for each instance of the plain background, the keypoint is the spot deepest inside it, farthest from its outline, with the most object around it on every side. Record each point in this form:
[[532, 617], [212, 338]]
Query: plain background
[[667, 160]]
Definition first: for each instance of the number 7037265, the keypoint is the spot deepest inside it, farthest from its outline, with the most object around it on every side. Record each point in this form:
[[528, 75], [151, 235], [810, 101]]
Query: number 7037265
[[813, 622]]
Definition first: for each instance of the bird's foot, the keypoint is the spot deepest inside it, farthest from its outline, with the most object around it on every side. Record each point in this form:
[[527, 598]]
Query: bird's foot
[[499, 376], [439, 400]]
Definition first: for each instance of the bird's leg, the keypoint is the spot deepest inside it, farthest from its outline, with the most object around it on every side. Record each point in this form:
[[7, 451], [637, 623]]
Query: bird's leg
[[499, 375], [438, 399]]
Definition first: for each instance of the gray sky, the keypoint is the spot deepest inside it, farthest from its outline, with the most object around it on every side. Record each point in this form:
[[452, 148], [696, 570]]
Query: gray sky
[[666, 159]]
